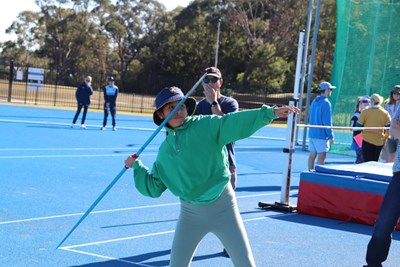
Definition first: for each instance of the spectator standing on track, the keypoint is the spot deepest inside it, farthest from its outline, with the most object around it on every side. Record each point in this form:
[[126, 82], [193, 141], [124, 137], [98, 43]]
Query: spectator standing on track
[[217, 104], [82, 94], [373, 140], [194, 166], [390, 146], [110, 102], [362, 103], [320, 139], [379, 244]]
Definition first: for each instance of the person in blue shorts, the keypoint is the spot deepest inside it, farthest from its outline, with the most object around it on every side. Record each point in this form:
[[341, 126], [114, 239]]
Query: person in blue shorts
[[320, 139], [192, 162]]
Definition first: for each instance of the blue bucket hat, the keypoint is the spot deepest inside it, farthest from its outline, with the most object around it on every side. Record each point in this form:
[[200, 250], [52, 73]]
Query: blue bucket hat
[[168, 95]]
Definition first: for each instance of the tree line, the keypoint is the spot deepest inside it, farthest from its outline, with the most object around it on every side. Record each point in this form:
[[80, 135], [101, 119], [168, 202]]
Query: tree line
[[147, 47]]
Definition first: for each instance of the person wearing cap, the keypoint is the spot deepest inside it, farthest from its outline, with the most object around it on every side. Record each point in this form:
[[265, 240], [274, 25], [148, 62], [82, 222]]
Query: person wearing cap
[[374, 139], [217, 104], [110, 102], [194, 166], [362, 103], [320, 139], [391, 106], [389, 213], [82, 95]]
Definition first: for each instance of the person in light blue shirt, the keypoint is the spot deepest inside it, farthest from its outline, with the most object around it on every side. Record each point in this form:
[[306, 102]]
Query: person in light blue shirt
[[320, 138], [110, 102]]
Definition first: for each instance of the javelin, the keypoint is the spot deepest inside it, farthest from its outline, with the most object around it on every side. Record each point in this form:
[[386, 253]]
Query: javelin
[[136, 155], [343, 127]]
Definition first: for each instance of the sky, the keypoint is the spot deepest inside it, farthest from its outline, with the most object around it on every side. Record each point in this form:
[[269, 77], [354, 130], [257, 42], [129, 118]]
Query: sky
[[12, 10]]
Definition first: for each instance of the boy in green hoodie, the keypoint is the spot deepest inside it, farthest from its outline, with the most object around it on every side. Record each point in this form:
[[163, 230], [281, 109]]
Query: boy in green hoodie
[[194, 166]]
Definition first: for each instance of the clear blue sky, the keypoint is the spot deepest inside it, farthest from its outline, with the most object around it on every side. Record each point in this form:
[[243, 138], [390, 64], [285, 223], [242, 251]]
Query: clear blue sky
[[12, 10]]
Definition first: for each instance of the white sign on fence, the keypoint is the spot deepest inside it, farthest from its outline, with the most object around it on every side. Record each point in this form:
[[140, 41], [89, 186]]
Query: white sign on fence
[[20, 75], [35, 78]]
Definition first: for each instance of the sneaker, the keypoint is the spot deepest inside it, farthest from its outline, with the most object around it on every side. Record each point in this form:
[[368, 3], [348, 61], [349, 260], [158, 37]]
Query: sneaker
[[114, 128], [83, 126], [103, 128], [225, 253]]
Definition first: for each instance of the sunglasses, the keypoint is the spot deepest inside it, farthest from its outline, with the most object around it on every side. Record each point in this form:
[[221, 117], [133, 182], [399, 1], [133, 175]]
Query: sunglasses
[[212, 79], [365, 101], [398, 93]]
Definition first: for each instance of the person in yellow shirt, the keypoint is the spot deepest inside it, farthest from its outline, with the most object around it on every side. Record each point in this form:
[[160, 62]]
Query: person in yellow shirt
[[374, 116]]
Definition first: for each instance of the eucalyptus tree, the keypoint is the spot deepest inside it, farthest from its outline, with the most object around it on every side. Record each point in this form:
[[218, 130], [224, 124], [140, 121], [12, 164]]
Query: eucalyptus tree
[[68, 36], [269, 32], [25, 28], [129, 26], [190, 45]]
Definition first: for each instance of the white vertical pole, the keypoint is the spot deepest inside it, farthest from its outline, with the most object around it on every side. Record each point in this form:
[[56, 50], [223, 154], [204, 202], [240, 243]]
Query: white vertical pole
[[310, 72], [217, 46], [304, 61], [291, 125], [300, 50]]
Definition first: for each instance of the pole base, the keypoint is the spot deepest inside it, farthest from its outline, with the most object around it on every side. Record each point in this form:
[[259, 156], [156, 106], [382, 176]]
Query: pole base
[[278, 206]]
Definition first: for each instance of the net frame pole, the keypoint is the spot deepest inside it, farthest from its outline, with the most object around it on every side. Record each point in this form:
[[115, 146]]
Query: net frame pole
[[311, 71]]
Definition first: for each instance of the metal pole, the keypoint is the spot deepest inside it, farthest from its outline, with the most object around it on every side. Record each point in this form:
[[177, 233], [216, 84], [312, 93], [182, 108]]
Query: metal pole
[[289, 150], [304, 63], [300, 51], [217, 46], [310, 71], [10, 80]]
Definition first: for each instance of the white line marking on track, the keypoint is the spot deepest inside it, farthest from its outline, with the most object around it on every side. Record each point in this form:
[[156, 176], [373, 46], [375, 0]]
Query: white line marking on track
[[123, 209], [93, 212], [108, 155], [65, 149], [120, 127], [120, 239], [106, 257], [67, 156], [159, 233], [69, 125]]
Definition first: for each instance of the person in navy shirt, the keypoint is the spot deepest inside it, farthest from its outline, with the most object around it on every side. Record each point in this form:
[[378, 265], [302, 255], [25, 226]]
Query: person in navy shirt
[[217, 104], [214, 103], [82, 94], [110, 100]]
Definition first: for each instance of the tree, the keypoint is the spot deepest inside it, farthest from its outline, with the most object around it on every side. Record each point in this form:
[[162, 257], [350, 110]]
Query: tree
[[129, 26], [268, 28]]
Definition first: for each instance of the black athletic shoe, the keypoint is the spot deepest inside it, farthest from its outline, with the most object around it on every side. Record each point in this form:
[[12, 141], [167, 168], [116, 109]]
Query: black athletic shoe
[[225, 253]]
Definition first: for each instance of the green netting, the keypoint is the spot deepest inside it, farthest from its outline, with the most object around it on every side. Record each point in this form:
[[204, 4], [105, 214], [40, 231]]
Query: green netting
[[367, 58]]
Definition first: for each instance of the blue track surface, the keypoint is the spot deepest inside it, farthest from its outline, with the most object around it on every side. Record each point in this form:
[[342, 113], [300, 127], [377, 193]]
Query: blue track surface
[[51, 174]]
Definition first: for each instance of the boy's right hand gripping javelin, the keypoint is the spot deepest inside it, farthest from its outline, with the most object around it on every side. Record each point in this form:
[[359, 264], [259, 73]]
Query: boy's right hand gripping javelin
[[130, 160]]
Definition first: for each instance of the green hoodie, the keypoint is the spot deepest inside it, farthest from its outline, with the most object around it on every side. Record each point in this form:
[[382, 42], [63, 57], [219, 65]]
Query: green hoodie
[[192, 162]]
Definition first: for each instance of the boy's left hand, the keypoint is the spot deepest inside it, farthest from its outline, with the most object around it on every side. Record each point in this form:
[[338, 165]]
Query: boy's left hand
[[283, 112]]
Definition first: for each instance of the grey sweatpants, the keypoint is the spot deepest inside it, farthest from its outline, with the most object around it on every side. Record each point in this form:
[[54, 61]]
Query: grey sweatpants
[[221, 218]]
